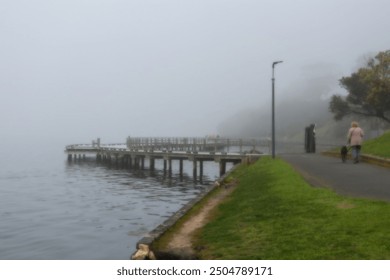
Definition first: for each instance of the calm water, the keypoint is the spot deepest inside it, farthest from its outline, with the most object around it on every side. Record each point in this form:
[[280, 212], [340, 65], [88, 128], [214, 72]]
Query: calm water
[[50, 209]]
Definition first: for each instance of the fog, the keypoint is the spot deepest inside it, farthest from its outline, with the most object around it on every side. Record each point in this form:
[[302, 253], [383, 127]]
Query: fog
[[75, 70]]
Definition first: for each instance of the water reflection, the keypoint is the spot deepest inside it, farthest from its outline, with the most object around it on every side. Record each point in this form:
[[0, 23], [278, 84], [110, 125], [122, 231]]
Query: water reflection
[[209, 171], [131, 202], [87, 210]]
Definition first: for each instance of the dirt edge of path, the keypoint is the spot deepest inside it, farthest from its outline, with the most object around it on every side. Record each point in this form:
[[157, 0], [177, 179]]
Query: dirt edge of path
[[180, 245]]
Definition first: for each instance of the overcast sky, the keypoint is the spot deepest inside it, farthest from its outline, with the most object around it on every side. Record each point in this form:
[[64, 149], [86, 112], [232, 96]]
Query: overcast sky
[[81, 69]]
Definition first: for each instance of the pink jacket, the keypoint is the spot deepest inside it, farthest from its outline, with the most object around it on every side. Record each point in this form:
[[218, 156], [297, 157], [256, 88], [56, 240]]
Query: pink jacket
[[356, 135]]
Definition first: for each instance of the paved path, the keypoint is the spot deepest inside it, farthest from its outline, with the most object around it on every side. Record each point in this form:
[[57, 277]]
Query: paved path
[[356, 180]]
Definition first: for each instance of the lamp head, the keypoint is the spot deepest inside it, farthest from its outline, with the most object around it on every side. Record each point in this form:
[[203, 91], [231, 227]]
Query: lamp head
[[276, 62]]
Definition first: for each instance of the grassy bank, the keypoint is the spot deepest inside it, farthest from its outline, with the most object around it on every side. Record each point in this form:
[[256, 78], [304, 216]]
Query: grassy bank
[[379, 146], [274, 214]]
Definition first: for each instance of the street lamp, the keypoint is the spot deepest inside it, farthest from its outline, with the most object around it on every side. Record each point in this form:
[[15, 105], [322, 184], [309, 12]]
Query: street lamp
[[273, 107]]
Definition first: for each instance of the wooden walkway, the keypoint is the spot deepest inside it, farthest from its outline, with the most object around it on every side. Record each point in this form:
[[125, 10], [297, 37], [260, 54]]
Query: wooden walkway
[[136, 151]]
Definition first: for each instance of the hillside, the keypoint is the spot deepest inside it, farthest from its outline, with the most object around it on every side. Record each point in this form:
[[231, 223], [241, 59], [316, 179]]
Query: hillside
[[378, 146]]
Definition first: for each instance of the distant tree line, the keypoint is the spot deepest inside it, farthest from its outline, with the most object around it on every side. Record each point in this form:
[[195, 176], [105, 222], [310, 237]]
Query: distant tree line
[[368, 91]]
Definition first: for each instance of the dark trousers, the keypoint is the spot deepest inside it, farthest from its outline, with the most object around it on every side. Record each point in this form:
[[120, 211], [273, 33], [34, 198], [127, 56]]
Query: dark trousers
[[356, 152]]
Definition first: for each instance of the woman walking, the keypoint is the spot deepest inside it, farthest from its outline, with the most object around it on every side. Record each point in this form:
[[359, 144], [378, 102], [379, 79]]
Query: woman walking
[[355, 139]]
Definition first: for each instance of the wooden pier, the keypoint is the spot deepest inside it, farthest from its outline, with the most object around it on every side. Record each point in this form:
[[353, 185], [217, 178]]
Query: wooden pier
[[138, 150]]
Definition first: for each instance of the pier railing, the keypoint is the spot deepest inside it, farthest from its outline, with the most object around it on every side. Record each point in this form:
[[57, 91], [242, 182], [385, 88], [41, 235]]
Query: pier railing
[[196, 144]]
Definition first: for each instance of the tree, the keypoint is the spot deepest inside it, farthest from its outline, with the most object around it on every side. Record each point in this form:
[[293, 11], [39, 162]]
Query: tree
[[368, 91]]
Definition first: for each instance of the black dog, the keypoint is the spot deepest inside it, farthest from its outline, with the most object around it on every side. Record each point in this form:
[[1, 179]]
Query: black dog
[[344, 153]]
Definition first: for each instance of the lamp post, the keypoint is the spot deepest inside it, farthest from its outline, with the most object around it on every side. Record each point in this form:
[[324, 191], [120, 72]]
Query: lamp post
[[273, 107]]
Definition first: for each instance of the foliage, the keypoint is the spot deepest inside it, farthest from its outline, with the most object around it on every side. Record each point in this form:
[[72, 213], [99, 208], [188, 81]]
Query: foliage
[[274, 214], [368, 90]]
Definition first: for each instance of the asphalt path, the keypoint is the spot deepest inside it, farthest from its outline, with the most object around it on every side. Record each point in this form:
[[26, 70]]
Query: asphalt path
[[355, 180]]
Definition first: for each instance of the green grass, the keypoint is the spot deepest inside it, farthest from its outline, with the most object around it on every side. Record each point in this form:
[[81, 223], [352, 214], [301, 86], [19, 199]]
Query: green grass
[[275, 214], [379, 146]]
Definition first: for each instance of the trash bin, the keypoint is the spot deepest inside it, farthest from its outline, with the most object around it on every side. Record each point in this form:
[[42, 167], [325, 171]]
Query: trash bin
[[310, 140]]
